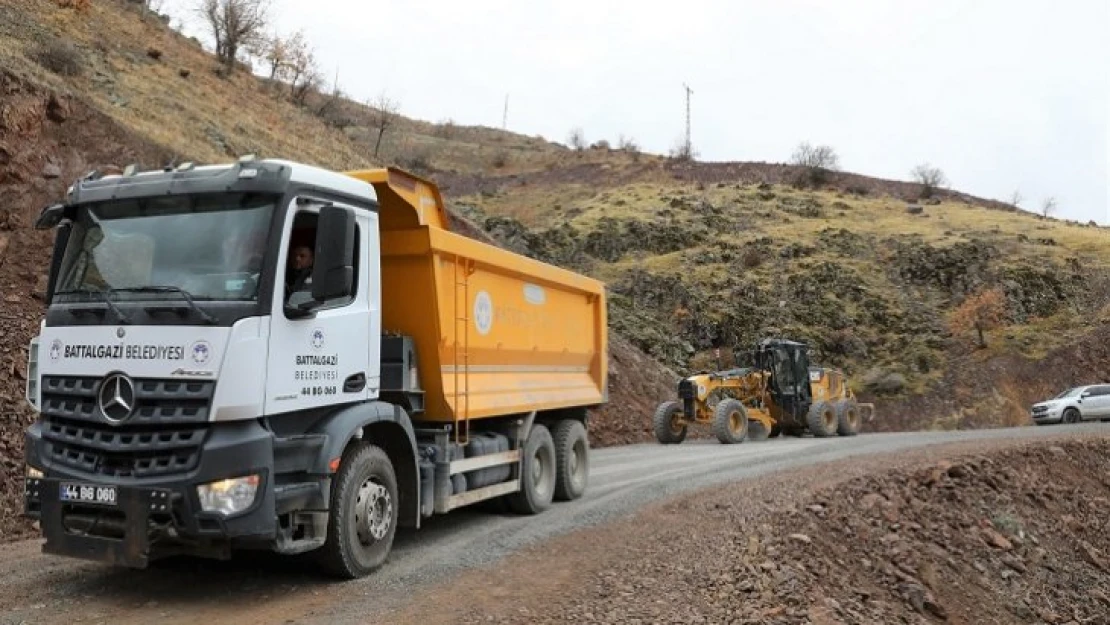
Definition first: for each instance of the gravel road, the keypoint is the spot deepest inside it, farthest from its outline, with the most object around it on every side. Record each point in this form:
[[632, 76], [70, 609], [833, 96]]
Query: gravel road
[[259, 588]]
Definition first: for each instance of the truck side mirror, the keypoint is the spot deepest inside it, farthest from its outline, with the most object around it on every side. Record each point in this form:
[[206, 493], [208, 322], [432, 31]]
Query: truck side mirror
[[333, 272], [50, 217]]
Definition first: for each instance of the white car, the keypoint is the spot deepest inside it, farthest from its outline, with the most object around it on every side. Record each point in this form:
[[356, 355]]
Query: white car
[[1081, 403]]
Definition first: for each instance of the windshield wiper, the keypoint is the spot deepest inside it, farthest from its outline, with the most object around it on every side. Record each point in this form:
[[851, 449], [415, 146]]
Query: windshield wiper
[[207, 318], [105, 296]]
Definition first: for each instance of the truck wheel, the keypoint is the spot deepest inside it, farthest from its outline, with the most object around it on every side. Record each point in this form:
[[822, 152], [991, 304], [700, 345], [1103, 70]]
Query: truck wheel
[[1071, 415], [669, 423], [572, 459], [730, 422], [537, 473], [847, 417], [821, 419], [363, 513], [776, 429]]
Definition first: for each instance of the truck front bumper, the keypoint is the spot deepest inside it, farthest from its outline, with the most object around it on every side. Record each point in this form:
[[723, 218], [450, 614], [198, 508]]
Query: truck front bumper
[[140, 520]]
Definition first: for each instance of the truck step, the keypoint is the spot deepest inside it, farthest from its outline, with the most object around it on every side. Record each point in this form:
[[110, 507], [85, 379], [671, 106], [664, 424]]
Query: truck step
[[295, 454], [295, 496]]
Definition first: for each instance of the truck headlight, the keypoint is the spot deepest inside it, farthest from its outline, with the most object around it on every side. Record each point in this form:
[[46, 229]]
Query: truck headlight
[[230, 496], [34, 473]]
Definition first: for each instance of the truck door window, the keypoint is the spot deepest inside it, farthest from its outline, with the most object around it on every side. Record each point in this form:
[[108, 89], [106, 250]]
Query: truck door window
[[300, 261]]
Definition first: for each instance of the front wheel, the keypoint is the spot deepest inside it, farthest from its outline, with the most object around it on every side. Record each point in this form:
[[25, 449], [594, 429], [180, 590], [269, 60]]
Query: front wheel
[[669, 423], [1071, 415], [362, 519]]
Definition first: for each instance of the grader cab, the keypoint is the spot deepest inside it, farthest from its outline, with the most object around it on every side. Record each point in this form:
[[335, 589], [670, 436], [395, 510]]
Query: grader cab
[[779, 393]]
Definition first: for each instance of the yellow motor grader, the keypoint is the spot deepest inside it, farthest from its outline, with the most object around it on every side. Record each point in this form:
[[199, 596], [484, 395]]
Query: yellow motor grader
[[780, 393]]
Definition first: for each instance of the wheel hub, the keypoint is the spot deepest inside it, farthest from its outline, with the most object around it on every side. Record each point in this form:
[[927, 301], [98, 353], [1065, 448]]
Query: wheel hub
[[537, 470], [373, 512], [577, 461]]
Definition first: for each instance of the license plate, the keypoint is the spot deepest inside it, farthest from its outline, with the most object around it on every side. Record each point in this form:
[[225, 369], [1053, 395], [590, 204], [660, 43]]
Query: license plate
[[87, 493]]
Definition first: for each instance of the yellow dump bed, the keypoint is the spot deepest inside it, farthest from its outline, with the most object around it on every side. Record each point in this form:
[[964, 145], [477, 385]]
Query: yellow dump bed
[[496, 333]]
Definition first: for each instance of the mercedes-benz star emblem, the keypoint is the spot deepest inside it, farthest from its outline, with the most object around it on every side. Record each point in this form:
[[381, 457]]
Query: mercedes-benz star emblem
[[116, 398]]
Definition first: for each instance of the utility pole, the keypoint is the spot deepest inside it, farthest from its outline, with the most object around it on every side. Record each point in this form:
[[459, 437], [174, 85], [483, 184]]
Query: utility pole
[[505, 114], [689, 145]]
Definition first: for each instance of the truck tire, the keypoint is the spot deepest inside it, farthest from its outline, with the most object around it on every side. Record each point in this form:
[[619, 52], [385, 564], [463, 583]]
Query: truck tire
[[666, 415], [776, 429], [572, 459], [363, 513], [821, 419], [730, 422], [847, 417], [537, 473]]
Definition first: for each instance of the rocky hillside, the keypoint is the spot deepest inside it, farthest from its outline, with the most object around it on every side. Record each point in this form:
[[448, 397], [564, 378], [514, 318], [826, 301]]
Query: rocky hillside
[[867, 272]]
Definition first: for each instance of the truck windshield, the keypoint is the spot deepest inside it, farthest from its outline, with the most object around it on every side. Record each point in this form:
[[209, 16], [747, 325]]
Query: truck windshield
[[207, 246]]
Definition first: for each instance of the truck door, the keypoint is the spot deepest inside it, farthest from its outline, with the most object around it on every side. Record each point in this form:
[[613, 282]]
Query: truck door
[[1097, 404], [327, 358]]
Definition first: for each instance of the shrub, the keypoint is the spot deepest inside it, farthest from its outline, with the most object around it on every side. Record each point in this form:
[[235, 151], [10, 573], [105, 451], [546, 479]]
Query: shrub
[[816, 164], [60, 57]]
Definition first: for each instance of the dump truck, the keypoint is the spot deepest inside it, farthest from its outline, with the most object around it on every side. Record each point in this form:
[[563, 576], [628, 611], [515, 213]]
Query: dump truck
[[781, 392], [269, 355]]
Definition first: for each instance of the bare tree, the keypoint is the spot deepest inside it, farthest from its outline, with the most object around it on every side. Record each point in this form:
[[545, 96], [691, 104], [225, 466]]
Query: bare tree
[[930, 178], [627, 144], [577, 139], [1048, 206], [816, 162], [235, 25], [1016, 199], [384, 114], [274, 50]]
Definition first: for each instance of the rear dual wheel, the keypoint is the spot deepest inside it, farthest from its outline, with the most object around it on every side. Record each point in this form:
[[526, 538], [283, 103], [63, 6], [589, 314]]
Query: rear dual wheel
[[822, 419], [572, 459], [537, 473], [730, 422], [847, 417]]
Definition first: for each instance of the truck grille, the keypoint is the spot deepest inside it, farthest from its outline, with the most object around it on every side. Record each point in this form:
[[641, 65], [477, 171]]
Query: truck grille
[[163, 434], [1040, 409]]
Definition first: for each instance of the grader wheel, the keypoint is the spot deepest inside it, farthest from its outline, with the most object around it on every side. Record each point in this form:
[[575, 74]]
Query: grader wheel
[[847, 417], [730, 422], [669, 423], [822, 419]]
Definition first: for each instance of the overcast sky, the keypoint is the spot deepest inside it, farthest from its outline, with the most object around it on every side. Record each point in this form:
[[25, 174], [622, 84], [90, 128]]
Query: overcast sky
[[1001, 95]]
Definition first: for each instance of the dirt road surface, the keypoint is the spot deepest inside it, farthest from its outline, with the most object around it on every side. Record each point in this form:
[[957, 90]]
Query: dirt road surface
[[259, 588]]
